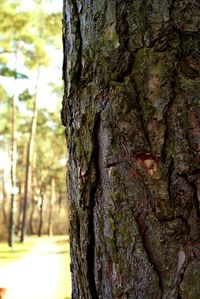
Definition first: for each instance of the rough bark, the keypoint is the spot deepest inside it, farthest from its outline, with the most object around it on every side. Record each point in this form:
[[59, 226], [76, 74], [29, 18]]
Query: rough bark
[[131, 110]]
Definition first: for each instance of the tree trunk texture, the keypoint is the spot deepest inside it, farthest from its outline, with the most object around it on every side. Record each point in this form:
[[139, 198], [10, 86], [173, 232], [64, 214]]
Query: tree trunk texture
[[131, 110]]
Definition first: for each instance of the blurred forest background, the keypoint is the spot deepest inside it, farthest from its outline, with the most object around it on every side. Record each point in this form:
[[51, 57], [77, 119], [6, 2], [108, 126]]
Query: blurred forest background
[[32, 148]]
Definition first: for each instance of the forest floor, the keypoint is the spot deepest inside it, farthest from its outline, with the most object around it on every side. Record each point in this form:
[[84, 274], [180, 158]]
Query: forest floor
[[42, 273]]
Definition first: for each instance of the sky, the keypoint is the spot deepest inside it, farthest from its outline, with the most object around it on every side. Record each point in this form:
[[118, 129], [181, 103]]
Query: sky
[[51, 5]]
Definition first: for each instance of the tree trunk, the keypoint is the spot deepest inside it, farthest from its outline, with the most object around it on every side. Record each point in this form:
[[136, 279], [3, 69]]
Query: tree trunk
[[34, 198], [29, 160], [41, 214], [51, 202], [31, 220], [19, 215], [131, 111], [4, 201], [11, 226]]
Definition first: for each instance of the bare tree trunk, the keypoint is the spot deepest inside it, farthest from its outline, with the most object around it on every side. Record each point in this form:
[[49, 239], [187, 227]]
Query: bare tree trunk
[[19, 215], [34, 195], [21, 195], [52, 200], [30, 149], [60, 202], [4, 201], [13, 176], [11, 227], [31, 221], [41, 214], [131, 111]]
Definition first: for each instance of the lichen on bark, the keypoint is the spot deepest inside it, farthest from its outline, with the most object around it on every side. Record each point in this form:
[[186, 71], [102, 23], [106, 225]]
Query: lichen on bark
[[132, 111]]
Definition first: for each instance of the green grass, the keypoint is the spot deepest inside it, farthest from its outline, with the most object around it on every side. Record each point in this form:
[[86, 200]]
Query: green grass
[[8, 254]]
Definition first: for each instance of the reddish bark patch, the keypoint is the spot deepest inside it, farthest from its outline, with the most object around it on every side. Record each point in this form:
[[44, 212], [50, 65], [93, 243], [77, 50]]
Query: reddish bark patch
[[149, 163], [194, 122], [110, 265]]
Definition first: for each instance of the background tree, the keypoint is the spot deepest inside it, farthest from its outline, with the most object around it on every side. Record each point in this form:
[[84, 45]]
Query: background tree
[[16, 41], [13, 47], [131, 111], [35, 38]]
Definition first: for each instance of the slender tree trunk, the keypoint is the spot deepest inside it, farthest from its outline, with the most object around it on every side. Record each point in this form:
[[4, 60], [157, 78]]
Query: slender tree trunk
[[21, 196], [30, 149], [131, 111], [34, 195], [11, 227], [52, 200], [60, 202], [41, 214], [31, 222], [19, 215], [13, 176], [4, 201]]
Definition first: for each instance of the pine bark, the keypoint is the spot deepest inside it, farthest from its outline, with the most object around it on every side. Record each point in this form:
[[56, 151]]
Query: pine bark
[[131, 110]]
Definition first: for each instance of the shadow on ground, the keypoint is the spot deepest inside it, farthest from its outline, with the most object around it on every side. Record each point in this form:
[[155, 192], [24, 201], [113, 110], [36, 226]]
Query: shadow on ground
[[62, 242], [57, 252]]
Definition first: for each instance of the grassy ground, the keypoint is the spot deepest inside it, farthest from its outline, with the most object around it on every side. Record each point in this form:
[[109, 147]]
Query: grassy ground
[[9, 256]]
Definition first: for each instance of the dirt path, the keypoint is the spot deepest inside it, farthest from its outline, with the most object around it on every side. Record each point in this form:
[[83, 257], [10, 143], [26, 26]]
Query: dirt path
[[39, 275]]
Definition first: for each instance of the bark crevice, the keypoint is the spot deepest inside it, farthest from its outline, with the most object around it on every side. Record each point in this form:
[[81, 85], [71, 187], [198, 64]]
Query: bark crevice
[[155, 268], [92, 195], [142, 119], [77, 71]]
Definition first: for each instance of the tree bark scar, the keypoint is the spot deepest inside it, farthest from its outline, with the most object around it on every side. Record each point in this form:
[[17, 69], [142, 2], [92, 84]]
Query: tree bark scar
[[182, 263]]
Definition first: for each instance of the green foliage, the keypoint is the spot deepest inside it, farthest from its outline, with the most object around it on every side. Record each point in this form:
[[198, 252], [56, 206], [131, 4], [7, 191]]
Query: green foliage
[[53, 134], [52, 26], [7, 72], [25, 96], [28, 36], [3, 94], [5, 114]]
